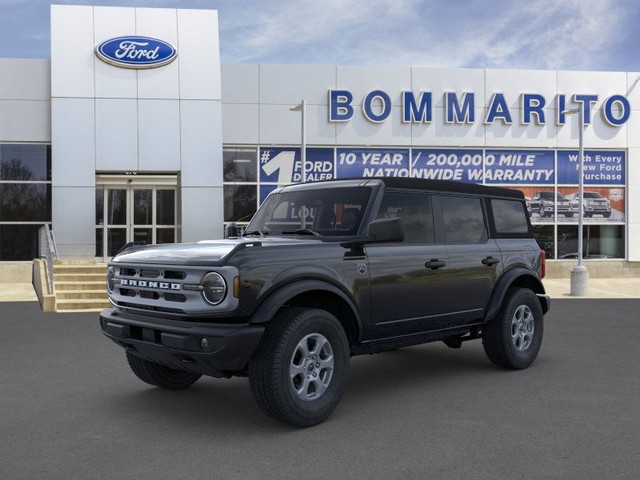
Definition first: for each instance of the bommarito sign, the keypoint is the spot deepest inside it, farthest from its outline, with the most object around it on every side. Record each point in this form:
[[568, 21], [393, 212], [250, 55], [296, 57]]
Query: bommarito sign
[[459, 108]]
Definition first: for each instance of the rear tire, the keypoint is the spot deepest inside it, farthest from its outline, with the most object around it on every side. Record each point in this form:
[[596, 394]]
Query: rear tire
[[513, 338], [159, 375], [300, 369]]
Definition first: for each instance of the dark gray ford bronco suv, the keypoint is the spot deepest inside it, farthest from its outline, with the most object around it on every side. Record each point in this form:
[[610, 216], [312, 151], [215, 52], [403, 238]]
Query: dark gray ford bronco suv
[[329, 270]]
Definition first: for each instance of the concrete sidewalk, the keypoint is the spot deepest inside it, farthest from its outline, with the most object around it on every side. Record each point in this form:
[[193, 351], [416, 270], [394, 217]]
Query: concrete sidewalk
[[556, 288], [598, 288], [17, 292]]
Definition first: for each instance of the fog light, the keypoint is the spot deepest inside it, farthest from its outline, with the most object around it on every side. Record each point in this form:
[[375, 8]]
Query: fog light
[[204, 343]]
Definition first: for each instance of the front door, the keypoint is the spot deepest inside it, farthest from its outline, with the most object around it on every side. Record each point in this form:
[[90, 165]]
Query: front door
[[134, 211]]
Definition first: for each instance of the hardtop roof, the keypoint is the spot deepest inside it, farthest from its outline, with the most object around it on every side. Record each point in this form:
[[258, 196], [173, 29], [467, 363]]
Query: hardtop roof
[[417, 184]]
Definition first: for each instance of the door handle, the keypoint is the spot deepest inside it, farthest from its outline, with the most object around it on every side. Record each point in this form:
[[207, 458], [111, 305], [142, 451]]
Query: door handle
[[435, 264], [489, 261]]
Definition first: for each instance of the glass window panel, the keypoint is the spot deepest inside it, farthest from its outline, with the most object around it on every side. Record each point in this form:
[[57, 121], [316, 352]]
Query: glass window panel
[[165, 235], [415, 211], [25, 162], [142, 207], [100, 206], [25, 202], [599, 241], [239, 164], [143, 235], [116, 239], [165, 207], [117, 206], [239, 202], [99, 242], [601, 205], [545, 237], [463, 219], [18, 242], [509, 216]]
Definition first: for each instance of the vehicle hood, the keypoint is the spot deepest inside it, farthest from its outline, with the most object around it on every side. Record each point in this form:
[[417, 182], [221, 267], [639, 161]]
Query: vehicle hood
[[206, 252]]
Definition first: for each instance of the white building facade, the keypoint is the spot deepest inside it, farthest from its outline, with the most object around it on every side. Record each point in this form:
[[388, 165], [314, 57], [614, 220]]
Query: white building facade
[[108, 155]]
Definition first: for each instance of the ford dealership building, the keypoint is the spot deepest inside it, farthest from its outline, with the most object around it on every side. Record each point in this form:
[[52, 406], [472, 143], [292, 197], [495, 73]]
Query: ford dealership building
[[134, 131]]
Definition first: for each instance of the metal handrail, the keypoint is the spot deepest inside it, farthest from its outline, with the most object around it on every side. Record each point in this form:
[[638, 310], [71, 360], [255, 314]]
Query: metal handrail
[[49, 251]]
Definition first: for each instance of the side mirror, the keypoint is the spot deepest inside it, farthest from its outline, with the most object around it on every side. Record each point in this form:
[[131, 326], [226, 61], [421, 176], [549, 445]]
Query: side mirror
[[386, 230], [231, 230]]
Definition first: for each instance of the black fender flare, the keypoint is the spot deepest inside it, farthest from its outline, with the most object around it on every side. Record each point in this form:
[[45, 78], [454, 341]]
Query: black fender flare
[[276, 299], [506, 280]]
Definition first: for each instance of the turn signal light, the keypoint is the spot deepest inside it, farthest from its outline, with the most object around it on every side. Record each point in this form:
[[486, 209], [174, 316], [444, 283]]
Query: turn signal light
[[543, 263]]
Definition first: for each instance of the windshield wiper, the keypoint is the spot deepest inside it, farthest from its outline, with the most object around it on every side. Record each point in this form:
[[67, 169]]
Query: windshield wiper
[[255, 232], [301, 231]]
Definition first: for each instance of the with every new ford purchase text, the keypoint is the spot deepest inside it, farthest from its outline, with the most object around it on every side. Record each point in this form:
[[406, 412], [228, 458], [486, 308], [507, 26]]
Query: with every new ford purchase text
[[325, 271]]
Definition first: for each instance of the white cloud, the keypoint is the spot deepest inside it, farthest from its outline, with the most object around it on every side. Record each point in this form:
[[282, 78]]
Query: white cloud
[[547, 34]]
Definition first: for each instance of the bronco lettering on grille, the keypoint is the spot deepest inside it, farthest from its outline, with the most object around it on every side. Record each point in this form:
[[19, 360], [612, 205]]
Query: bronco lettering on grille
[[125, 282]]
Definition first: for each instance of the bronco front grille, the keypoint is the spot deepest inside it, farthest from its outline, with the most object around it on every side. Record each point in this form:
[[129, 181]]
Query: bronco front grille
[[171, 289], [151, 288]]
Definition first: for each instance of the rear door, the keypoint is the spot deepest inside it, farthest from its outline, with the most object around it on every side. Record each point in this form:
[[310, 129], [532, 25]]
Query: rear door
[[474, 260], [408, 284]]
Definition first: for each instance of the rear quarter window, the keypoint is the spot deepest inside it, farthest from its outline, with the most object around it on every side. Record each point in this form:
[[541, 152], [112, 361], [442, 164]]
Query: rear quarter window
[[509, 216], [463, 219]]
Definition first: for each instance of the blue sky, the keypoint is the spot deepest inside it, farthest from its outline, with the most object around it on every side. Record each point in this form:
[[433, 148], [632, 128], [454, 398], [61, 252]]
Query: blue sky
[[532, 34]]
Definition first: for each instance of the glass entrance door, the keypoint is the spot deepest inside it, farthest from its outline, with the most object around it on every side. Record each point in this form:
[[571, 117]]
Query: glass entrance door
[[128, 213]]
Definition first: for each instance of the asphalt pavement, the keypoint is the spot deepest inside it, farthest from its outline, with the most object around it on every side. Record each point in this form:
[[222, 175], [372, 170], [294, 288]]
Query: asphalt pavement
[[71, 409]]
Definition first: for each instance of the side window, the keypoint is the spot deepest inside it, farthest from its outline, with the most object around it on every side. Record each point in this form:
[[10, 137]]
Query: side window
[[463, 219], [415, 211], [509, 216]]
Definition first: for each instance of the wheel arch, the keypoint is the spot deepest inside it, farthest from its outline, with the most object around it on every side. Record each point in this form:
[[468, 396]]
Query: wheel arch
[[312, 294], [516, 277]]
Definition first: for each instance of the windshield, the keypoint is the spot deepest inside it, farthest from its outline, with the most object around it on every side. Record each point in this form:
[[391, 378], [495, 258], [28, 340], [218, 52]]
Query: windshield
[[592, 195], [549, 196], [324, 212]]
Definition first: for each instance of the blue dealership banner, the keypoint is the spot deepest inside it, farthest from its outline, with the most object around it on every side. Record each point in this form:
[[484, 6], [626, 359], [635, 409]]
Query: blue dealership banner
[[510, 167], [601, 167], [265, 190], [283, 165], [447, 164], [372, 162]]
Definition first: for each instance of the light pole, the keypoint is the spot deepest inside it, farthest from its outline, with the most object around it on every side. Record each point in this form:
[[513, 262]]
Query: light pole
[[580, 274], [302, 107]]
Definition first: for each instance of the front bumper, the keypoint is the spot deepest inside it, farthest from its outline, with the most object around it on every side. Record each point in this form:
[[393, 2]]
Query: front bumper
[[597, 209], [210, 349]]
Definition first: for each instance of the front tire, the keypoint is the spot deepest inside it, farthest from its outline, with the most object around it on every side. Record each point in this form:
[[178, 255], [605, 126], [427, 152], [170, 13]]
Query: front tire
[[300, 369], [159, 375], [513, 338]]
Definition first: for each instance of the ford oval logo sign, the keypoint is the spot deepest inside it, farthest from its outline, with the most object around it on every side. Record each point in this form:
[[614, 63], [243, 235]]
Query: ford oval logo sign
[[136, 52]]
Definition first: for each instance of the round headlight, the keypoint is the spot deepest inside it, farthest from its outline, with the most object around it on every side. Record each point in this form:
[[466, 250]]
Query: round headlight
[[111, 273], [214, 288]]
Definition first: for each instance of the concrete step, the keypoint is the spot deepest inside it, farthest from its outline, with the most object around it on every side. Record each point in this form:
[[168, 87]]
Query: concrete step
[[77, 262], [83, 310], [80, 277], [62, 286], [86, 304], [80, 269], [82, 294]]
